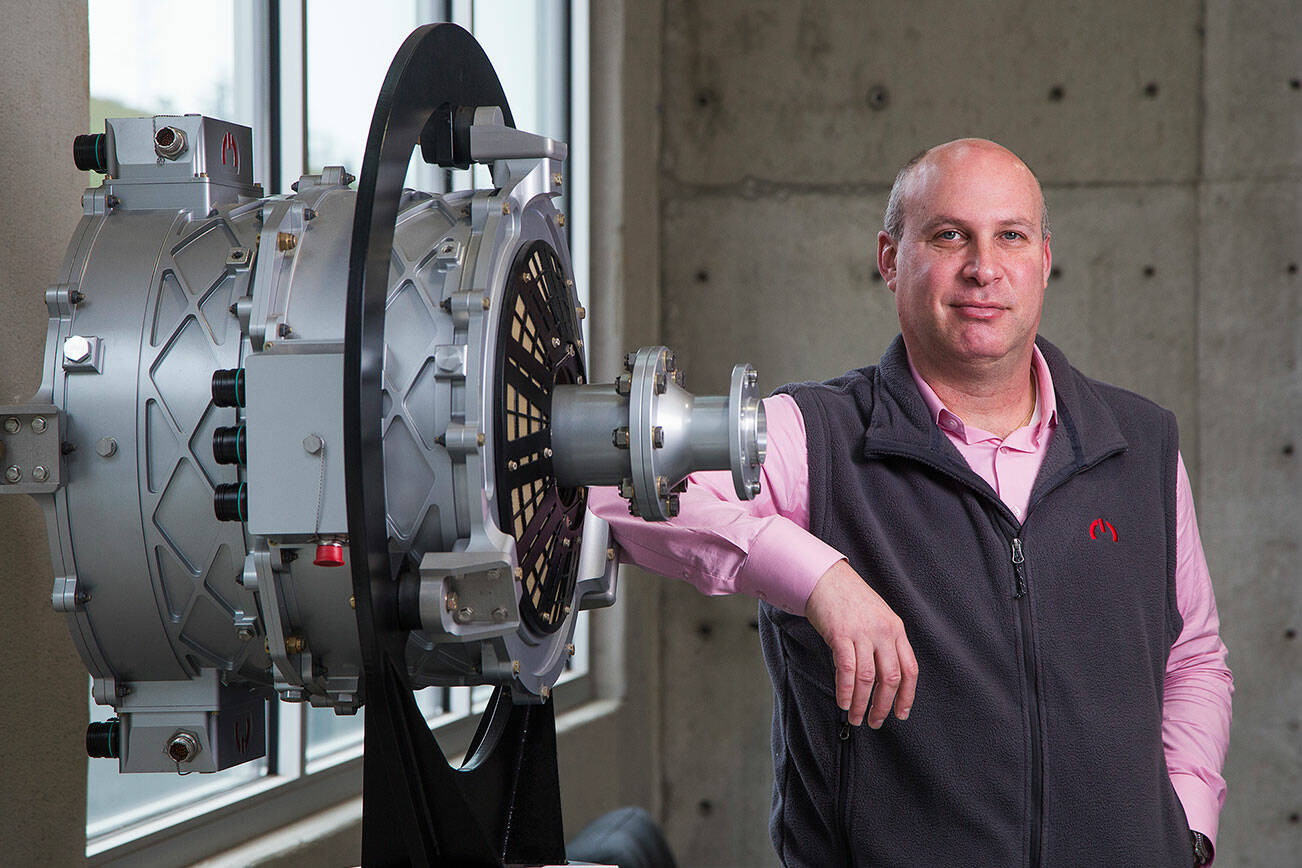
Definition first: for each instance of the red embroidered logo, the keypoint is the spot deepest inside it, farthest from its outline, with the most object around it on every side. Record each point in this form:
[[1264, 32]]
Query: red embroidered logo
[[1101, 528]]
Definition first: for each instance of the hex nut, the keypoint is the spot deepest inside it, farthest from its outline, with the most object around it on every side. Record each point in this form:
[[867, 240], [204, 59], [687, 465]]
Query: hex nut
[[39, 424], [12, 425], [107, 447], [40, 474], [244, 632], [313, 444], [76, 349], [13, 473]]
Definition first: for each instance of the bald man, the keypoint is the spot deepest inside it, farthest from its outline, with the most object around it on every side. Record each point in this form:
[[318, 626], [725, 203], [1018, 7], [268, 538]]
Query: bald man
[[973, 535]]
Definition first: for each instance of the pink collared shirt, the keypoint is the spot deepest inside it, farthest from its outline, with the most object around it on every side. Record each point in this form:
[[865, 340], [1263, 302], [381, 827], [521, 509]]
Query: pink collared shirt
[[763, 548]]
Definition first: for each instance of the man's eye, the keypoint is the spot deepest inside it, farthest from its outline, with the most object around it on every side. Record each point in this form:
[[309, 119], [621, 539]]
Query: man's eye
[[948, 234], [1013, 235]]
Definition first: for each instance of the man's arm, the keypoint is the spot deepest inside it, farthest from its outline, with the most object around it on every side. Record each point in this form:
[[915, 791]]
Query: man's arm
[[1198, 684], [763, 548]]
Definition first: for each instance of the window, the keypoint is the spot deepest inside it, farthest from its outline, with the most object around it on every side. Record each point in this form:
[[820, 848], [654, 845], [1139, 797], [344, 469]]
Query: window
[[276, 66]]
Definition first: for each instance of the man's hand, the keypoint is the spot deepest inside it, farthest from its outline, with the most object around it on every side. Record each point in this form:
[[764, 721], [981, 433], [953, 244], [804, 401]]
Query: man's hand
[[868, 646]]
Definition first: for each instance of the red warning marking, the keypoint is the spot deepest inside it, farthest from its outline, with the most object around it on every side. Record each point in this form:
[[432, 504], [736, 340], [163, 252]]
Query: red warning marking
[[229, 146]]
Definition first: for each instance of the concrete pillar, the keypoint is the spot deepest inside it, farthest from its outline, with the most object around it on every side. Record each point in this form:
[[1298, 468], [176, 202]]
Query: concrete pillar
[[44, 712]]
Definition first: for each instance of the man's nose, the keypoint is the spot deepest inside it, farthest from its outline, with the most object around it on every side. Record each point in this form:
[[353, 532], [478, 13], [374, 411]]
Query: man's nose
[[982, 265]]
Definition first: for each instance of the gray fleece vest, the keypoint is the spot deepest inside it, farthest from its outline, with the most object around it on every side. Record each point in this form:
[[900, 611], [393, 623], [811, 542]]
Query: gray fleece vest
[[1035, 738]]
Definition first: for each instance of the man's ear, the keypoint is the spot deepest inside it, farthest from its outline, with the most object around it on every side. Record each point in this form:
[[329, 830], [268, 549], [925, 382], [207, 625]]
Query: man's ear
[[887, 250], [1048, 261]]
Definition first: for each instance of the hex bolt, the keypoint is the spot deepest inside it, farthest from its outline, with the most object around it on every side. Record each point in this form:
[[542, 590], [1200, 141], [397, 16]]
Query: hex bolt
[[465, 613], [40, 474], [619, 437], [313, 444], [623, 385], [660, 383], [752, 377], [12, 425], [512, 464], [244, 632], [13, 473], [294, 644], [673, 506], [39, 424], [754, 489], [658, 437], [76, 349], [626, 488], [286, 241], [107, 447], [499, 614], [515, 667]]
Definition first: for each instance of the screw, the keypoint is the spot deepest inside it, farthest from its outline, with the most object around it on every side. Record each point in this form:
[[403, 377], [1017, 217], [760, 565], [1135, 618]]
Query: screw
[[557, 179], [544, 691], [626, 488], [506, 207], [515, 667], [294, 644], [569, 649], [619, 437], [513, 465], [13, 473], [12, 425], [40, 474], [76, 349], [465, 613], [244, 632], [499, 614], [313, 444], [754, 489], [547, 452], [352, 602], [556, 342], [38, 424], [610, 553], [581, 311], [286, 241], [106, 447]]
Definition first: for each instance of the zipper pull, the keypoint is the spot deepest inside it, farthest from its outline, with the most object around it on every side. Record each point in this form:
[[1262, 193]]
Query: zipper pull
[[1018, 560], [845, 726]]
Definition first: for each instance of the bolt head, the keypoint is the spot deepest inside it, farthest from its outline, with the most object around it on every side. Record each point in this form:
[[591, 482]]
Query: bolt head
[[12, 425], [13, 473], [313, 444], [465, 613], [39, 424], [244, 632], [106, 447], [40, 474], [76, 349], [499, 614]]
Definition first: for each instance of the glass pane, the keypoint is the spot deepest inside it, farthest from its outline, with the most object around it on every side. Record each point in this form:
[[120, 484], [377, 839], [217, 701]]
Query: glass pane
[[329, 733], [114, 800], [148, 58]]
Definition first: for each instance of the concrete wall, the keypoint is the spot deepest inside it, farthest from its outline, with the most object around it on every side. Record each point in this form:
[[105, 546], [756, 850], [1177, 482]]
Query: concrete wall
[[43, 103], [1169, 139]]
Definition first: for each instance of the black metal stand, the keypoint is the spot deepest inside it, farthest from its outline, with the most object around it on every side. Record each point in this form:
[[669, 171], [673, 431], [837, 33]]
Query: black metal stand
[[503, 807]]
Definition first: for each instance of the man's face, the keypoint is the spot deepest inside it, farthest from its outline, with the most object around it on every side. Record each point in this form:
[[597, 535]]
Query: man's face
[[970, 268]]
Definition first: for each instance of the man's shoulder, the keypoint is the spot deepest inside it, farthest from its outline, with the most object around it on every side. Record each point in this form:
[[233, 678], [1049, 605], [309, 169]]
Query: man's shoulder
[[1084, 395]]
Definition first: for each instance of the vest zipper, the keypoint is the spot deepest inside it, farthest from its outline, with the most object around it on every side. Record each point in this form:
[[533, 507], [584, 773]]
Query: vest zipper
[[1032, 685], [842, 789]]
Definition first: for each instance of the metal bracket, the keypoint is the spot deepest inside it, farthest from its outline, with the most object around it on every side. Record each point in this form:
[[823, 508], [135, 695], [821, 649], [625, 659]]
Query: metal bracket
[[31, 449]]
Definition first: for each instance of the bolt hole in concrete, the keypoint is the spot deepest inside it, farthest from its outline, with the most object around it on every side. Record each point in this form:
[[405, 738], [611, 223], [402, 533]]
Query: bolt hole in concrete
[[1294, 817], [1288, 449], [1055, 272], [702, 276], [1295, 83], [1150, 89], [1149, 271], [706, 807], [1056, 93], [1290, 633], [1292, 268], [705, 631], [704, 98], [878, 97]]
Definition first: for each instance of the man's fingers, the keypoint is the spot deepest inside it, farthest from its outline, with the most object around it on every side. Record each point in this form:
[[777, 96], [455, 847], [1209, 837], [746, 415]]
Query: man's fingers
[[908, 680], [888, 683], [843, 659], [864, 677]]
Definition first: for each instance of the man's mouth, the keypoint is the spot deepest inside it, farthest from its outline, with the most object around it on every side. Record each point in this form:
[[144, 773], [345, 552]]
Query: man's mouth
[[978, 309]]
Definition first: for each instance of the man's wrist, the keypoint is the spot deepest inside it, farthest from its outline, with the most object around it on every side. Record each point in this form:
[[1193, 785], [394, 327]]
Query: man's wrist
[[1202, 848]]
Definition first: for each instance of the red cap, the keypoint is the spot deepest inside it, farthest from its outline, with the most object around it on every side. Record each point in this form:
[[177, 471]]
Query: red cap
[[329, 554]]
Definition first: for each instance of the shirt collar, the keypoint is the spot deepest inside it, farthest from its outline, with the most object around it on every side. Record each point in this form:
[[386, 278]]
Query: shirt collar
[[1043, 418]]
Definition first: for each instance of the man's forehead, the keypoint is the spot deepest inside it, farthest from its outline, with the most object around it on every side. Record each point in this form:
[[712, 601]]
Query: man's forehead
[[979, 171]]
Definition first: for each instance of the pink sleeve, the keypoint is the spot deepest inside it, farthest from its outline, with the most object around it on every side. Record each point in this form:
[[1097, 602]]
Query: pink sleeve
[[724, 545], [1198, 684]]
